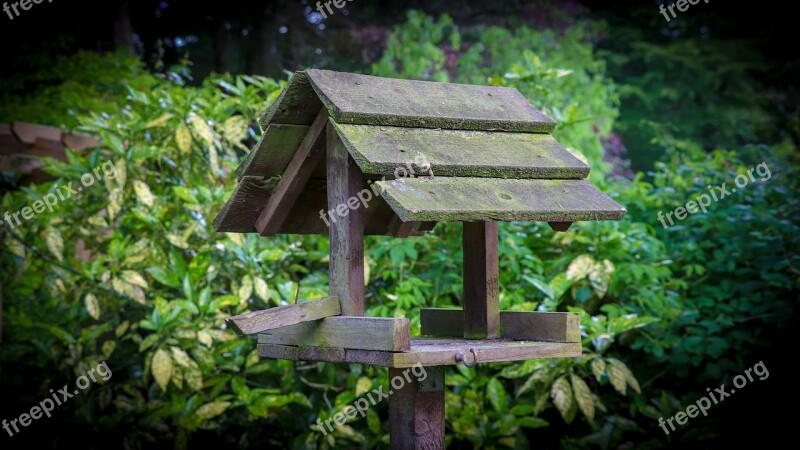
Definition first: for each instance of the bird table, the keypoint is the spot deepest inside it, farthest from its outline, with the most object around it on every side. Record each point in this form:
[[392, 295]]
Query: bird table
[[350, 155]]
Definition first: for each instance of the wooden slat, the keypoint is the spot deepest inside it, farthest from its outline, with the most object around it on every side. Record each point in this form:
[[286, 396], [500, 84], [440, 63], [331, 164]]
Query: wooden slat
[[560, 226], [481, 280], [240, 213], [273, 153], [298, 104], [416, 418], [282, 316], [459, 153], [517, 325], [367, 100], [79, 142], [29, 132], [306, 158], [541, 326], [481, 199], [364, 333], [428, 352], [345, 180]]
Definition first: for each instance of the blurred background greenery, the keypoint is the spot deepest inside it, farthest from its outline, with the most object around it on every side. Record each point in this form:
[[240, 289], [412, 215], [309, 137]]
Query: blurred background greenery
[[660, 111]]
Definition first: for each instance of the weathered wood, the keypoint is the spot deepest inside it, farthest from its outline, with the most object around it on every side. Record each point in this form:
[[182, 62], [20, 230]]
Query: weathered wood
[[362, 99], [29, 132], [345, 181], [432, 352], [79, 142], [560, 226], [306, 158], [282, 316], [481, 280], [541, 326], [459, 153], [416, 418], [441, 322], [298, 104], [240, 213], [479, 199], [273, 152], [364, 333], [516, 325]]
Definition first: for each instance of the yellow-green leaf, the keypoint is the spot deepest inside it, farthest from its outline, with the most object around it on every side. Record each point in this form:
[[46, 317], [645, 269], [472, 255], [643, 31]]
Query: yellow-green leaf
[[108, 348], [363, 386], [598, 368], [160, 121], [92, 305], [201, 128], [235, 128], [181, 357], [205, 338], [561, 393], [246, 290], [580, 267], [628, 375], [617, 377], [262, 291], [193, 377], [211, 410], [55, 243], [143, 193], [161, 367], [16, 248], [183, 138], [134, 278], [583, 395]]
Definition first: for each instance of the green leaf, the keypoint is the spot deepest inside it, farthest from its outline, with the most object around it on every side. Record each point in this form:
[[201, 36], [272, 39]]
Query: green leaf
[[164, 277], [143, 193], [183, 138], [497, 395], [161, 367], [532, 422], [598, 368], [583, 395], [617, 376], [92, 306], [55, 243], [211, 410], [363, 386], [561, 393], [627, 374]]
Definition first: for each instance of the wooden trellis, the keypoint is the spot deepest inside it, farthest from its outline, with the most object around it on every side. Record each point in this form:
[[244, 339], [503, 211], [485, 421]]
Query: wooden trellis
[[489, 157]]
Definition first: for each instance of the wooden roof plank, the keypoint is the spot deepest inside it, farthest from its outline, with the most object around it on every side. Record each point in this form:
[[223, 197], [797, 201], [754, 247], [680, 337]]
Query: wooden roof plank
[[460, 153], [298, 104], [362, 99], [473, 199]]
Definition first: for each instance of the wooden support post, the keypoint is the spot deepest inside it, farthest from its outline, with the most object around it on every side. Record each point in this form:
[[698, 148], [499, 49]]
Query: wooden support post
[[346, 222], [416, 410], [481, 285]]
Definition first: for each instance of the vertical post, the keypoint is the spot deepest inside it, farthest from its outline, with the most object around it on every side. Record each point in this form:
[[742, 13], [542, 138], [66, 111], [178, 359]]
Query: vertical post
[[416, 410], [346, 226], [481, 285]]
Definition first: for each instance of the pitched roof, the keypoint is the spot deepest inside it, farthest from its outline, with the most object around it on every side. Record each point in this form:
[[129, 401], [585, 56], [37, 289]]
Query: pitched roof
[[490, 152]]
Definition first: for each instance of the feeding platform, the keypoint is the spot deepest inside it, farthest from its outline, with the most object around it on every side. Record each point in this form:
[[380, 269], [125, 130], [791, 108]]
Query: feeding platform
[[349, 155]]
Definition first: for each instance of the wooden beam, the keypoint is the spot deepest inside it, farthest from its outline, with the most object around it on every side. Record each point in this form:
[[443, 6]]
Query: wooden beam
[[481, 284], [346, 223], [273, 153], [560, 226], [282, 316], [428, 352], [416, 410], [363, 333], [294, 178], [517, 325]]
